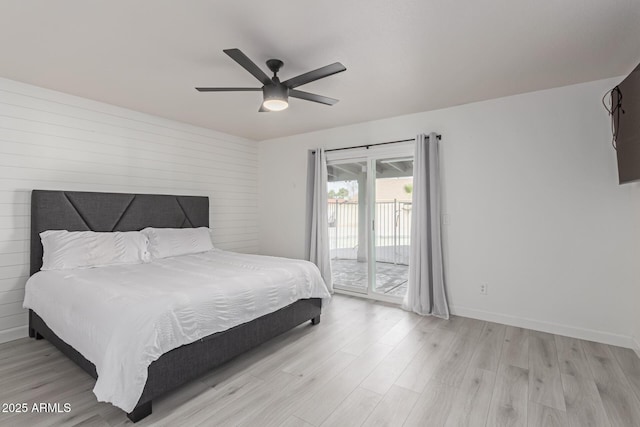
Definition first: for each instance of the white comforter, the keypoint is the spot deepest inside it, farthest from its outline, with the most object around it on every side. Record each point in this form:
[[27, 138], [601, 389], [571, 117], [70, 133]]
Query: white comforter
[[122, 318]]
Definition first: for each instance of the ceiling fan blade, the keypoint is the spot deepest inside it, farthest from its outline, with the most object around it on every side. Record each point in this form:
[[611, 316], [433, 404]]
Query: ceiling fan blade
[[311, 97], [228, 89], [314, 75], [249, 65]]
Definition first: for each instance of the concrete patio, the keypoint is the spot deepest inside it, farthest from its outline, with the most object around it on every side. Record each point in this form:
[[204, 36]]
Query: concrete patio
[[391, 279]]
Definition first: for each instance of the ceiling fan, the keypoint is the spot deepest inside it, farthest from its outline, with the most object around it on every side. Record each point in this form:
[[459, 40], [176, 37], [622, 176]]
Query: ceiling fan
[[275, 93]]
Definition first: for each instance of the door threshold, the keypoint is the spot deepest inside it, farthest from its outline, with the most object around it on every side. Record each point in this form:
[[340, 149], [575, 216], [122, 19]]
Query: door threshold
[[384, 298]]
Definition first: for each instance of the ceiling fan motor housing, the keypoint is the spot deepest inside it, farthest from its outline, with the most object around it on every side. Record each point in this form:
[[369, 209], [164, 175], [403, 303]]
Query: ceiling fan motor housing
[[275, 91]]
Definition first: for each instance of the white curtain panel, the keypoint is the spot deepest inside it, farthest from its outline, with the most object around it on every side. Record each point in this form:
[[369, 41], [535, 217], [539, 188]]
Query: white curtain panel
[[426, 293], [319, 250]]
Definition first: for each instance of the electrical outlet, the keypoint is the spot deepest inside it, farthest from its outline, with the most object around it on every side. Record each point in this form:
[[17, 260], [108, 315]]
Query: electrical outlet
[[484, 288]]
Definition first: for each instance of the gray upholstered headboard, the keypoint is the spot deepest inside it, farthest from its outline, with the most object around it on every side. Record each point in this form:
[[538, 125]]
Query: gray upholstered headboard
[[84, 211]]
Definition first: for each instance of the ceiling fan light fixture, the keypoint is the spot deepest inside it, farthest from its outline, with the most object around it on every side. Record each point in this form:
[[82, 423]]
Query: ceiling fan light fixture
[[275, 104], [276, 97]]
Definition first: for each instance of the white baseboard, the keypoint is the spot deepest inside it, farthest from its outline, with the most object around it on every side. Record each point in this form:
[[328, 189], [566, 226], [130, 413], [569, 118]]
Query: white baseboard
[[553, 328], [14, 334], [636, 345]]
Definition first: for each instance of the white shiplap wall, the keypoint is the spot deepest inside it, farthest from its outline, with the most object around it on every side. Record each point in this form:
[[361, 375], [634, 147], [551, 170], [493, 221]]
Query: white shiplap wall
[[50, 140]]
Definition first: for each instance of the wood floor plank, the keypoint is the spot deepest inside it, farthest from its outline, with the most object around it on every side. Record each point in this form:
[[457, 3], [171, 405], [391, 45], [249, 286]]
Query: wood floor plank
[[10, 345], [320, 405], [571, 357], [284, 403], [472, 326], [295, 422], [93, 421], [630, 364], [452, 324], [619, 401], [392, 366], [544, 416], [321, 349], [25, 348], [545, 382], [200, 408], [510, 397], [472, 402], [401, 329], [373, 333], [456, 360], [393, 409], [429, 323], [433, 405], [354, 410], [22, 347], [165, 404], [46, 365], [253, 402], [425, 363], [584, 406], [487, 354], [515, 349]]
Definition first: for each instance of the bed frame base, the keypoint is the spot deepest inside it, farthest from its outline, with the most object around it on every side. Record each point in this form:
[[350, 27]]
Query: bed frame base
[[140, 412], [183, 364]]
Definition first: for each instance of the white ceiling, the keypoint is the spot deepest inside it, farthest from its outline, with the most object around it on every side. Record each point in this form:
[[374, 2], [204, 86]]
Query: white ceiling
[[401, 56]]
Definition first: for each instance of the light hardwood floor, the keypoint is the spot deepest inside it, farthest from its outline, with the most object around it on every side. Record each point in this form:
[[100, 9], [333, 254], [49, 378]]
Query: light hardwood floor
[[366, 364]]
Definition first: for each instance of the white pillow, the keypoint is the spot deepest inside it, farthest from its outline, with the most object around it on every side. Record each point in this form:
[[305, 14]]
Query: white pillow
[[166, 242], [83, 249]]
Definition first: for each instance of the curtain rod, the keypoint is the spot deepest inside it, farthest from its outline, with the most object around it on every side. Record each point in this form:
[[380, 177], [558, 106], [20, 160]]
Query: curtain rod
[[372, 145]]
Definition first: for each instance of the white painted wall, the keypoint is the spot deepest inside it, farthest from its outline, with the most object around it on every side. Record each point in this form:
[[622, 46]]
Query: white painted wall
[[50, 140], [531, 189]]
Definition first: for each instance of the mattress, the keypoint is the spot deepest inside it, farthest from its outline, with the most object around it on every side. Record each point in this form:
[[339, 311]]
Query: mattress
[[123, 317]]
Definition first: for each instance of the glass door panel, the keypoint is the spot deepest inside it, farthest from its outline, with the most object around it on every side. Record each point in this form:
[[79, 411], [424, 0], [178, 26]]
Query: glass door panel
[[347, 212], [392, 225]]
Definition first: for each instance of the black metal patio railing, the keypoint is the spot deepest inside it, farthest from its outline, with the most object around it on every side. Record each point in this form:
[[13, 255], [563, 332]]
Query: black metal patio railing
[[392, 231]]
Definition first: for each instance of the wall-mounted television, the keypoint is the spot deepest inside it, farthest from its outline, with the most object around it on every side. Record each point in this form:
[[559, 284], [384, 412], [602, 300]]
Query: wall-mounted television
[[625, 109]]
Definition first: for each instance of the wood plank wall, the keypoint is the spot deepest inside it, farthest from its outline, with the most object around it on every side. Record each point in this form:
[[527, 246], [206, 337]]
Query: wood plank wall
[[50, 140]]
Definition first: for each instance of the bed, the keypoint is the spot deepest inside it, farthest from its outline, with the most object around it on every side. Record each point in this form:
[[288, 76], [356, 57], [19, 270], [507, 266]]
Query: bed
[[84, 211]]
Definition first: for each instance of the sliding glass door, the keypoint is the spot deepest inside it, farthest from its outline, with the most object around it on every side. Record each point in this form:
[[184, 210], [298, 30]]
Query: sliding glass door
[[392, 224], [369, 224], [347, 187]]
